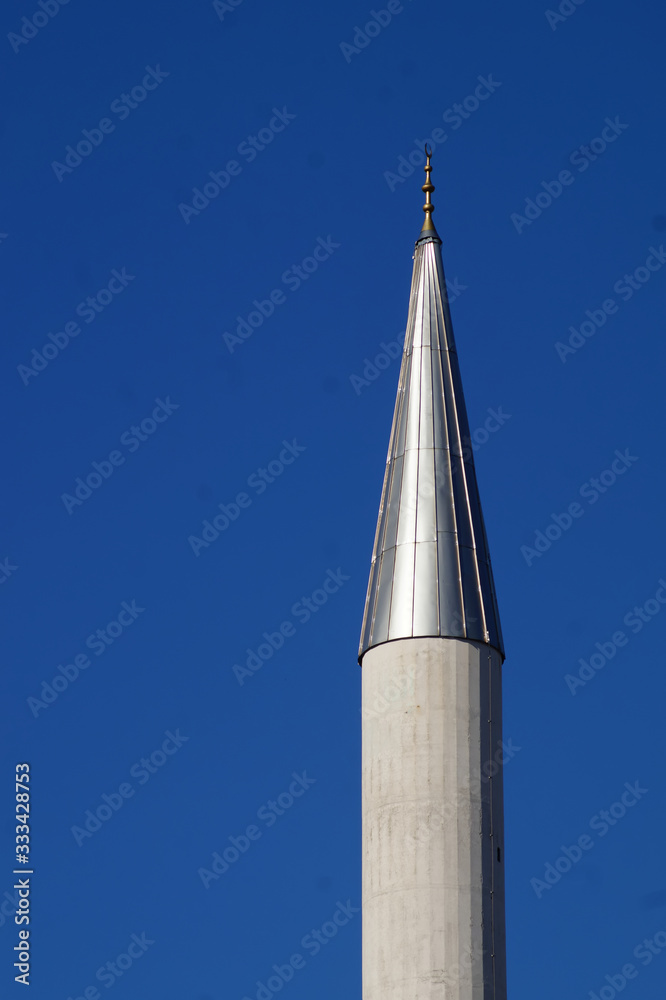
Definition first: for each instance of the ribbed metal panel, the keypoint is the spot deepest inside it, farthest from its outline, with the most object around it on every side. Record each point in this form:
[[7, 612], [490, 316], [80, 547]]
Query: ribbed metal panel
[[431, 573]]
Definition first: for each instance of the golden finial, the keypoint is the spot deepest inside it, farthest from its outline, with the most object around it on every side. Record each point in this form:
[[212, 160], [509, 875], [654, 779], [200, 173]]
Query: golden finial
[[428, 188]]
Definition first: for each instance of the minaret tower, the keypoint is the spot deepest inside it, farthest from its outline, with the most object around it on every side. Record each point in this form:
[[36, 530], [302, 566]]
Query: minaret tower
[[431, 655]]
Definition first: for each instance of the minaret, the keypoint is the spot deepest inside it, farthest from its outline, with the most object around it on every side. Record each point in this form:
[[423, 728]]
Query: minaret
[[431, 655]]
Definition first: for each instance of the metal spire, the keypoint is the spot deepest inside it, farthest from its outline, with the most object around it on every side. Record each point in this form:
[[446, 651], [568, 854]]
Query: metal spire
[[430, 573]]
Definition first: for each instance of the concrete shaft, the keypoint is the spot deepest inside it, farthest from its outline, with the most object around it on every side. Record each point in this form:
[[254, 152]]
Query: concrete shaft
[[433, 850]]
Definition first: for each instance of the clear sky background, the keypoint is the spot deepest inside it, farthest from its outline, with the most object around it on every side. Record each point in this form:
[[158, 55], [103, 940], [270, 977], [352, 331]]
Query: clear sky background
[[326, 176]]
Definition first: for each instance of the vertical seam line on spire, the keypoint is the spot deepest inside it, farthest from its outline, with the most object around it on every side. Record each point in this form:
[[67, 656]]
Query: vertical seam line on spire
[[445, 355], [419, 400], [446, 458], [434, 385]]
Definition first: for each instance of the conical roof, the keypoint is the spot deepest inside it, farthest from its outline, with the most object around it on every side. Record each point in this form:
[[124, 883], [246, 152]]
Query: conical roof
[[430, 573]]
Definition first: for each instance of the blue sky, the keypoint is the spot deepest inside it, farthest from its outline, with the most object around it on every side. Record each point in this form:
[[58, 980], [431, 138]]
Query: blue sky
[[214, 342]]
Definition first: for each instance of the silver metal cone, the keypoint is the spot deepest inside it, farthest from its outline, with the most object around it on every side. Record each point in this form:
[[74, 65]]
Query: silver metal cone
[[430, 573]]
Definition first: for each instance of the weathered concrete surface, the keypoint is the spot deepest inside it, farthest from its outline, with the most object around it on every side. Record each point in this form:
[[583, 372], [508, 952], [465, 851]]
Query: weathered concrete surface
[[433, 885]]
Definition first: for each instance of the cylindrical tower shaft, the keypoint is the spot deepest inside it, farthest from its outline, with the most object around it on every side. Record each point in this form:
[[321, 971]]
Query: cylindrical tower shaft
[[433, 851]]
